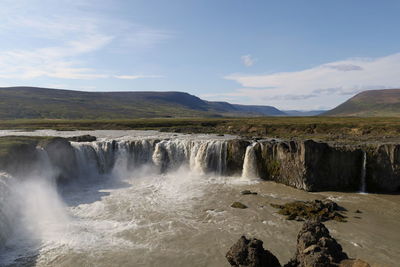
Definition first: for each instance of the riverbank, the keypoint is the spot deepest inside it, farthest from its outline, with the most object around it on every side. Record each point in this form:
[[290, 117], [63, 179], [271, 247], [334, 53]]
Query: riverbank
[[327, 129]]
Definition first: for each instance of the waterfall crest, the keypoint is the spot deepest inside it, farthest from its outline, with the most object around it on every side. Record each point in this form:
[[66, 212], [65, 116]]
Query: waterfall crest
[[105, 156]]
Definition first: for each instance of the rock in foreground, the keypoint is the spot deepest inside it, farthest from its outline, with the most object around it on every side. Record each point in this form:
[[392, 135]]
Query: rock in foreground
[[250, 253], [316, 248]]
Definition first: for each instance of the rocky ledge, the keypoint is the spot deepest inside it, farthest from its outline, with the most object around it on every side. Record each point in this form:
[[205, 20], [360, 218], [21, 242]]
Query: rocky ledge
[[321, 210], [318, 166], [315, 248]]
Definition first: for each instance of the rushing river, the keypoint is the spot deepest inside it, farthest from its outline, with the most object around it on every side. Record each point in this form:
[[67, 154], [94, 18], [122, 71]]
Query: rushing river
[[122, 211]]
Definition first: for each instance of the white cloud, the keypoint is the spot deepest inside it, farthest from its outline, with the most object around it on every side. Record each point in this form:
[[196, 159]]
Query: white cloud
[[248, 60], [134, 77], [327, 84], [56, 39]]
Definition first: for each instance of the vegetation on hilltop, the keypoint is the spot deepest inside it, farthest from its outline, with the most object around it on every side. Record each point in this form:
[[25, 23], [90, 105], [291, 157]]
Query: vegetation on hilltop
[[42, 103], [373, 103]]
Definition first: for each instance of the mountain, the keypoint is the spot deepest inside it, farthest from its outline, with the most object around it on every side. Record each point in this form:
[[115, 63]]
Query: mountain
[[34, 102], [373, 103], [302, 113]]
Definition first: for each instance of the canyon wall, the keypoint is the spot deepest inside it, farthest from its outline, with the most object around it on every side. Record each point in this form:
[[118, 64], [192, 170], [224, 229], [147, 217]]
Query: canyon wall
[[306, 165]]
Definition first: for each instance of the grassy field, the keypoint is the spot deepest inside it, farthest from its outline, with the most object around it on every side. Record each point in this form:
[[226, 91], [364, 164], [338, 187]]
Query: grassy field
[[319, 128]]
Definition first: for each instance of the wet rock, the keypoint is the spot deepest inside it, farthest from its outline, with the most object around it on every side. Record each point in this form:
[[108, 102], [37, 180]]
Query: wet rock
[[383, 168], [236, 150], [62, 156], [238, 205], [20, 159], [250, 253], [354, 263], [82, 138], [311, 166], [316, 248], [322, 210], [248, 192]]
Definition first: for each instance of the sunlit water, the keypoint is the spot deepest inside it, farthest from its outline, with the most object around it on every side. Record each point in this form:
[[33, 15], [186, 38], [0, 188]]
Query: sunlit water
[[182, 218]]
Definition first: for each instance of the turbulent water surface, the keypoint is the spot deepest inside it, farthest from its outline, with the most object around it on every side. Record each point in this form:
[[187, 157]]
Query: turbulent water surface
[[134, 203]]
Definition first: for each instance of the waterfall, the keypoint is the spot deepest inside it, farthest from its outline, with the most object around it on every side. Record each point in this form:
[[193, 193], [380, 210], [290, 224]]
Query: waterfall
[[26, 199], [7, 211], [250, 170], [102, 157], [363, 187]]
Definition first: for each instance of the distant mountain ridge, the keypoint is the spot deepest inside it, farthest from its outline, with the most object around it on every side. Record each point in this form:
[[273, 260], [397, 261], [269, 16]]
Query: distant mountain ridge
[[372, 103], [36, 103]]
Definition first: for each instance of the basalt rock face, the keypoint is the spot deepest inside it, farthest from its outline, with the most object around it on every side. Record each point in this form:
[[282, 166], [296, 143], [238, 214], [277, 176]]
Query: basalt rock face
[[236, 150], [383, 168], [21, 160], [250, 253], [62, 156], [316, 248], [311, 166]]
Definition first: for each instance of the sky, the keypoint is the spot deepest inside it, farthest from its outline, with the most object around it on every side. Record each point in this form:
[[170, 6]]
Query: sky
[[291, 54]]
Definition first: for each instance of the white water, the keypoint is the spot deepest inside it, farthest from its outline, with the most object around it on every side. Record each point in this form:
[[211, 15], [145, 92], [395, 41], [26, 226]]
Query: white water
[[148, 203], [250, 170], [156, 175]]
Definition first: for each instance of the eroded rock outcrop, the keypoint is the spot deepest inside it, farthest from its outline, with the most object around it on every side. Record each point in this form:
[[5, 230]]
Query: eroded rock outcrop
[[250, 253], [321, 210], [316, 248]]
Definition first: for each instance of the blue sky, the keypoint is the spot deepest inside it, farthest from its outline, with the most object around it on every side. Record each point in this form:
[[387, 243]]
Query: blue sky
[[308, 54]]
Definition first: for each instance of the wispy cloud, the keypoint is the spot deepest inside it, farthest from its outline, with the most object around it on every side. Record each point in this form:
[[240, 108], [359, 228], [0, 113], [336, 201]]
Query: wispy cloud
[[61, 45], [320, 83], [248, 60], [134, 77]]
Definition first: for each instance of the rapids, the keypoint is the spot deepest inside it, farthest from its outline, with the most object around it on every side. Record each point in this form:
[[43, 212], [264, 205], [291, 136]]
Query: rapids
[[137, 202]]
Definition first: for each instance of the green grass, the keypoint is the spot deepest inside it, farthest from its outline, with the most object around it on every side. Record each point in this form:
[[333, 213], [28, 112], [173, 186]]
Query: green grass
[[7, 143], [317, 128]]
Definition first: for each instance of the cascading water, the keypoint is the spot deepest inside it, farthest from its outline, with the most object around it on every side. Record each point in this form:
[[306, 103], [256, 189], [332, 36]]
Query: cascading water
[[363, 187], [7, 209], [199, 156], [137, 200], [250, 170]]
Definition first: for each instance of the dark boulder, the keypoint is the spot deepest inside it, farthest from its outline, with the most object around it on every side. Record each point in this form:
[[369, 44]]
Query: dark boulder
[[316, 248], [82, 138], [250, 253], [238, 205]]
